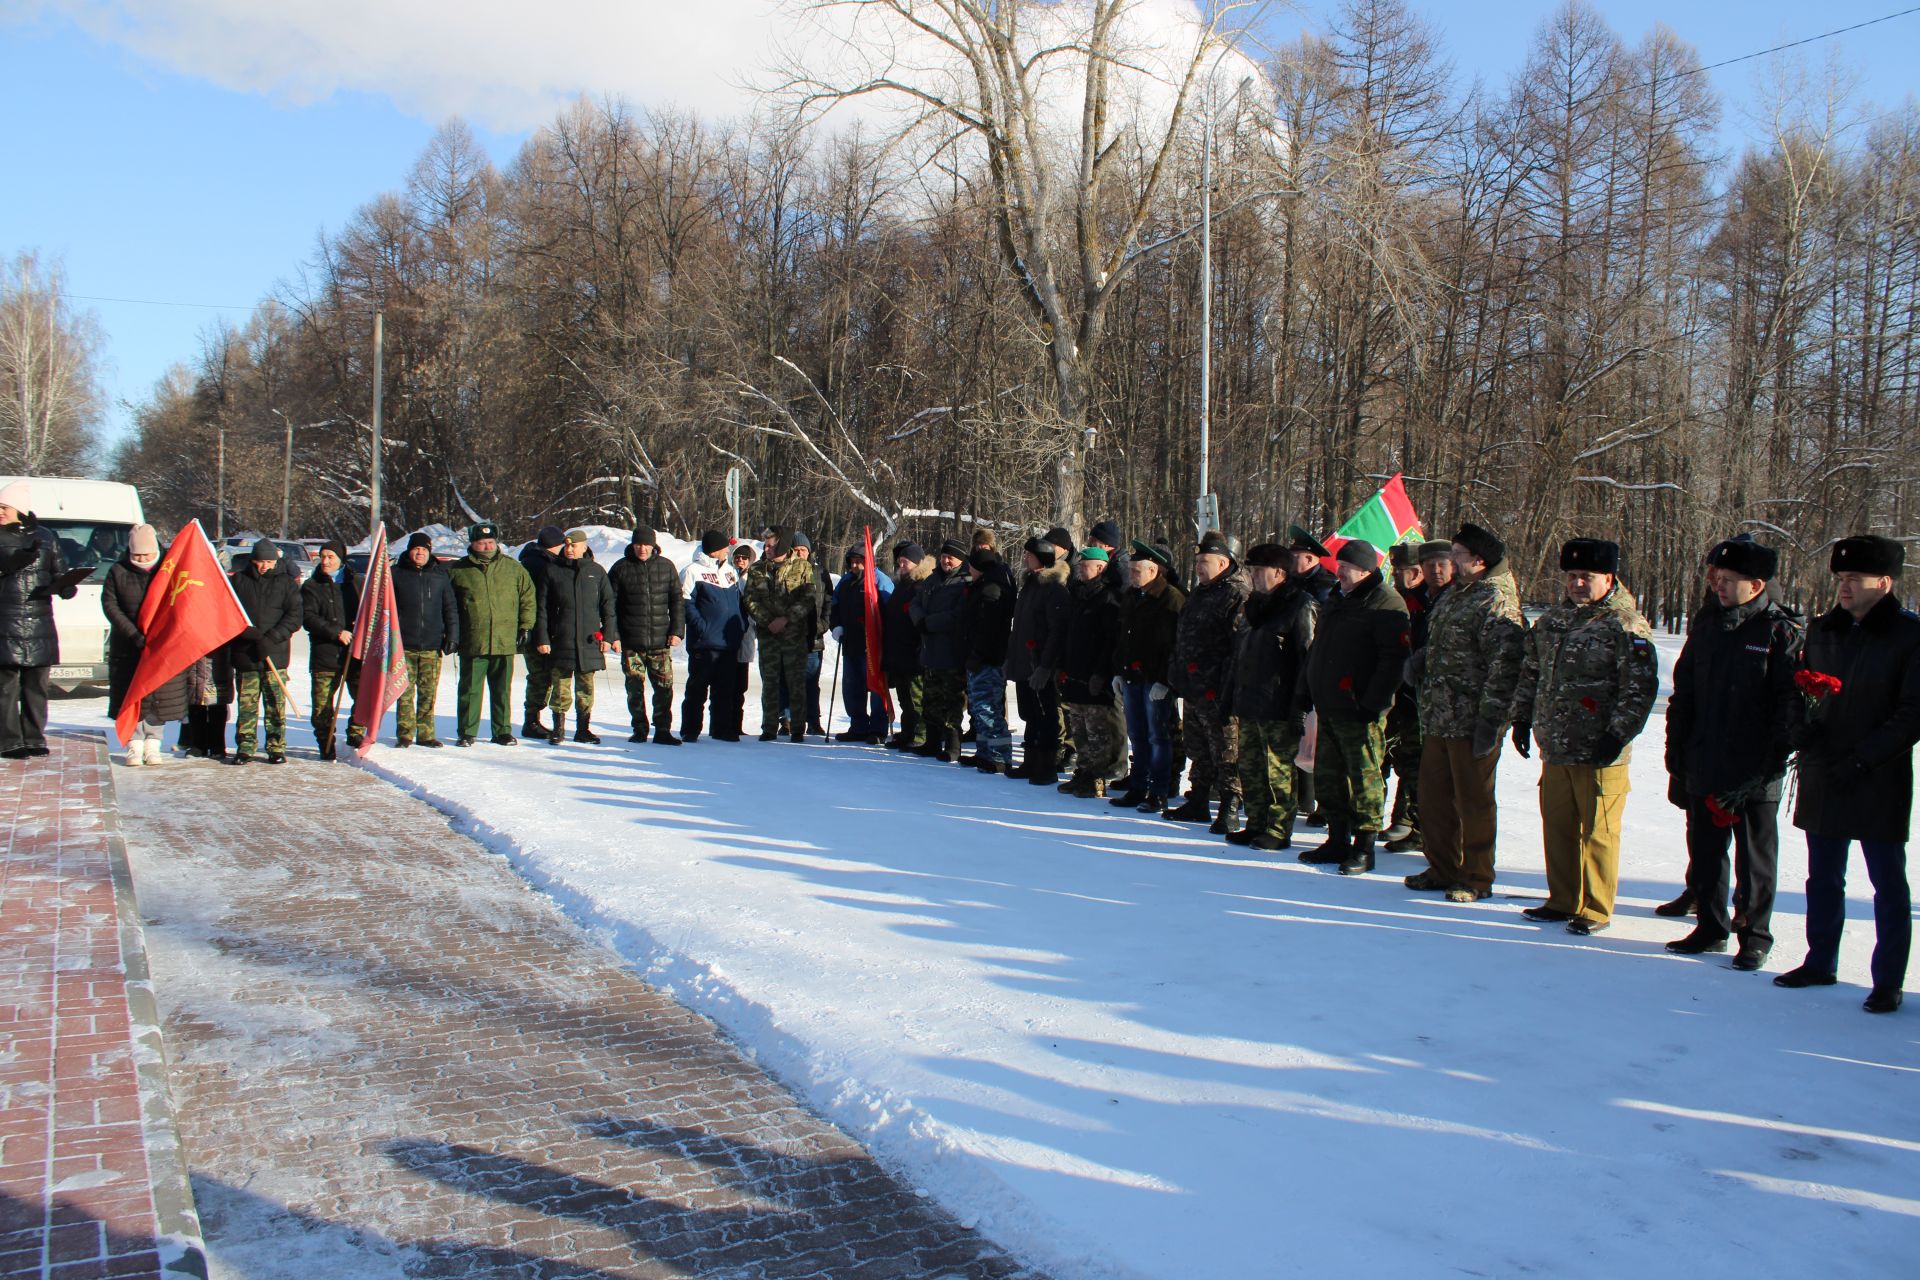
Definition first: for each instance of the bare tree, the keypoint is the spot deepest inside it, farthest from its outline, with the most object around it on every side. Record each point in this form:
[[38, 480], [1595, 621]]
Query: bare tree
[[49, 397]]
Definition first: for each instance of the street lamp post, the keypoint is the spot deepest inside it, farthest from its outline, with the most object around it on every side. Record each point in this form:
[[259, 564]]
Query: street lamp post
[[1207, 509]]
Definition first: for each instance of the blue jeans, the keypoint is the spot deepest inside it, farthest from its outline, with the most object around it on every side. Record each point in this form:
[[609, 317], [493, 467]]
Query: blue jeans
[[987, 703], [1827, 906], [865, 714], [1150, 737]]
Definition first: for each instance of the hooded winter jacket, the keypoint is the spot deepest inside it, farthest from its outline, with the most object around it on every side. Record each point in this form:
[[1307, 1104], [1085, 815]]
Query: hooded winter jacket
[[715, 608], [30, 561], [938, 610], [577, 612], [1039, 638], [1269, 676], [497, 603]]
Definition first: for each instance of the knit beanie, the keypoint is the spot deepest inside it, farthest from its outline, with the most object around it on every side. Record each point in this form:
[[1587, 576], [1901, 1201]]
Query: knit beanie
[[1359, 553], [712, 542], [143, 541]]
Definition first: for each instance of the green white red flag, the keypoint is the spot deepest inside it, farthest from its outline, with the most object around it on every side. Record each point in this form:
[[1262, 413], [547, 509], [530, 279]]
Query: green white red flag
[[1386, 519], [376, 643]]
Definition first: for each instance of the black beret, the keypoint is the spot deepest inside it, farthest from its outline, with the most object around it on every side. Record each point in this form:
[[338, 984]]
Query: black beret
[[1869, 554], [1482, 543], [1745, 557], [1299, 539], [1590, 555], [1270, 555]]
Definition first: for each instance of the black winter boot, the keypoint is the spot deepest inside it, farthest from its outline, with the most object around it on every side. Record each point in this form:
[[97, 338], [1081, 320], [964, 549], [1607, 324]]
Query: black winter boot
[[533, 728], [583, 729], [1130, 799], [1228, 820], [1333, 850], [1042, 770], [1359, 859], [664, 736], [1680, 906], [1196, 809], [557, 732], [950, 747]]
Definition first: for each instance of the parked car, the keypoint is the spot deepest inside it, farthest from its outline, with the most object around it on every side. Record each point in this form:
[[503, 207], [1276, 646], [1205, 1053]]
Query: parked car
[[93, 519]]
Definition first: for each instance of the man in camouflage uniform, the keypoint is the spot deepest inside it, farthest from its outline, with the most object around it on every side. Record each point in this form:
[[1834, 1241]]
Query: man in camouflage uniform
[[1586, 687], [1466, 673], [1403, 721], [1267, 691], [1202, 652], [652, 612], [1358, 657], [272, 601], [429, 627], [782, 600], [536, 558]]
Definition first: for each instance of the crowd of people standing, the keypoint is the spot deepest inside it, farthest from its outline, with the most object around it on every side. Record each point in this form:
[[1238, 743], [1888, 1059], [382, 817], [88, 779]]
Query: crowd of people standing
[[1292, 685]]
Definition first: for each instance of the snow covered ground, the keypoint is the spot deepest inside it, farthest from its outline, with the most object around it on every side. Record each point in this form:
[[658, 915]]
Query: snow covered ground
[[1124, 1050]]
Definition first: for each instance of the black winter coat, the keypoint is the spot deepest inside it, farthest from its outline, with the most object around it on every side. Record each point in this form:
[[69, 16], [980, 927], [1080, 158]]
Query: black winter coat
[[272, 602], [940, 609], [1856, 757], [121, 596], [987, 617], [576, 602], [1359, 651], [648, 602], [423, 599], [1149, 621], [899, 637], [1086, 672], [1270, 661], [1322, 584], [1204, 641], [326, 609], [30, 560], [1039, 639], [1734, 704]]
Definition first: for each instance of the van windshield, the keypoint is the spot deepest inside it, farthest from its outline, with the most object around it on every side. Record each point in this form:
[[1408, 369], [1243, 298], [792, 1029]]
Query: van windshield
[[90, 544]]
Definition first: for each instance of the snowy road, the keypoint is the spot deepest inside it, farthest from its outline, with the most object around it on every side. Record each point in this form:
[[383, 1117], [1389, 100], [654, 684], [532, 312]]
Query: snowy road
[[1123, 1052]]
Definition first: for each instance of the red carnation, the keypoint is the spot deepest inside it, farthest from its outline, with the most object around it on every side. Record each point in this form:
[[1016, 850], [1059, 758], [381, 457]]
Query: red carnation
[[1210, 695], [1346, 684], [1590, 705], [1721, 815], [1033, 644], [1816, 684], [1193, 668]]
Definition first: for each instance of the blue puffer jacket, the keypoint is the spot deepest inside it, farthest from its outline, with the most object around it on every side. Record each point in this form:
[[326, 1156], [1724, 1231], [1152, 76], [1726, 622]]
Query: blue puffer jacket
[[849, 611], [716, 607]]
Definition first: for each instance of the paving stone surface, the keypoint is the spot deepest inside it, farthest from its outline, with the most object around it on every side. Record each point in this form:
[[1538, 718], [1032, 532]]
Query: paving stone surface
[[76, 1170], [390, 1057]]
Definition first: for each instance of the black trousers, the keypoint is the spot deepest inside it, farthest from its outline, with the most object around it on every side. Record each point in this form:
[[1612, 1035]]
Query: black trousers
[[1755, 867], [1041, 710], [710, 688], [23, 707]]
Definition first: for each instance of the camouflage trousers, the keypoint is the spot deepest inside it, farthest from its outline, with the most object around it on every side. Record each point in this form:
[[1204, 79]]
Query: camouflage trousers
[[1267, 749], [1100, 739], [1349, 772], [1213, 747], [987, 704], [255, 692], [1403, 757], [413, 714], [539, 681], [943, 697], [909, 699], [782, 662], [324, 712], [649, 671], [570, 690]]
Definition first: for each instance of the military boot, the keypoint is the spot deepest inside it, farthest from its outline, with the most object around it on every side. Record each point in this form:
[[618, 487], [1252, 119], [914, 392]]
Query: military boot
[[950, 747], [1196, 809], [1068, 787], [1042, 768], [533, 728], [1359, 859], [1408, 843], [1334, 849], [1228, 819], [1130, 798], [557, 731], [583, 729]]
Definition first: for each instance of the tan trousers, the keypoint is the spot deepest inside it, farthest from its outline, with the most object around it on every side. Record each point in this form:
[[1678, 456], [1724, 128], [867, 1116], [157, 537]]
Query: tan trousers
[[1459, 824], [1580, 807]]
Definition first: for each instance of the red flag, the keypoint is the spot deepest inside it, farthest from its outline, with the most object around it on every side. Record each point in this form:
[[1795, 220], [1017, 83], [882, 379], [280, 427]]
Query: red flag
[[876, 660], [190, 611], [376, 643]]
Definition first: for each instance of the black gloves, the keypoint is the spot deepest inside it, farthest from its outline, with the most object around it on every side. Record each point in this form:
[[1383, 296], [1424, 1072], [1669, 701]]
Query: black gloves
[[522, 640], [1607, 748], [1297, 726], [1523, 739]]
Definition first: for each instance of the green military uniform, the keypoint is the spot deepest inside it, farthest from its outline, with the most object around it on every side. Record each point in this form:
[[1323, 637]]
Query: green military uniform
[[413, 714], [1265, 694], [496, 601], [257, 692], [324, 684], [1468, 669], [783, 589], [1586, 687], [1267, 751]]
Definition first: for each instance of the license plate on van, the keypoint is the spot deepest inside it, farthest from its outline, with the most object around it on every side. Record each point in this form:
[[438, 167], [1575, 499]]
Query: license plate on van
[[70, 673]]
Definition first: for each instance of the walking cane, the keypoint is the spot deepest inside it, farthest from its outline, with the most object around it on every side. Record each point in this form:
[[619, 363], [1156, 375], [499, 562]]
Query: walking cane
[[833, 698], [329, 749]]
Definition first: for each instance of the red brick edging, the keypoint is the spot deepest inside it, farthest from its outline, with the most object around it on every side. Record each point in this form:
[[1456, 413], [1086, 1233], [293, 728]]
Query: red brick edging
[[92, 1181]]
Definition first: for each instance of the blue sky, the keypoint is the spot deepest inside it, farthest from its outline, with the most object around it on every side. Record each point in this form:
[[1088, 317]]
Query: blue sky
[[195, 159]]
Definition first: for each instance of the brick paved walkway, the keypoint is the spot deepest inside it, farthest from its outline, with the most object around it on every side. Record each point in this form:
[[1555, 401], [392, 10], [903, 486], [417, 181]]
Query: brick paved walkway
[[392, 1058], [90, 1180]]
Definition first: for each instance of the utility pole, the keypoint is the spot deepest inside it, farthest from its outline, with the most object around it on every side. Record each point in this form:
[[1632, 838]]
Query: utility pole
[[1207, 508], [373, 487], [220, 484], [286, 477]]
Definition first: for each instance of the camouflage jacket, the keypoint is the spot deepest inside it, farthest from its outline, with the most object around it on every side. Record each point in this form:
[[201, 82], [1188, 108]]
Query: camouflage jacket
[[1204, 641], [1589, 669], [784, 590], [1475, 642]]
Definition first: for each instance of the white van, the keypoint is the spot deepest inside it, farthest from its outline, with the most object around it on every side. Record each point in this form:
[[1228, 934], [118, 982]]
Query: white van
[[93, 519]]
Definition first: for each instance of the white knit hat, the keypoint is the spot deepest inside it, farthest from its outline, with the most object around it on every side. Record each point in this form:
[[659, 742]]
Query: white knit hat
[[143, 539], [18, 495]]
